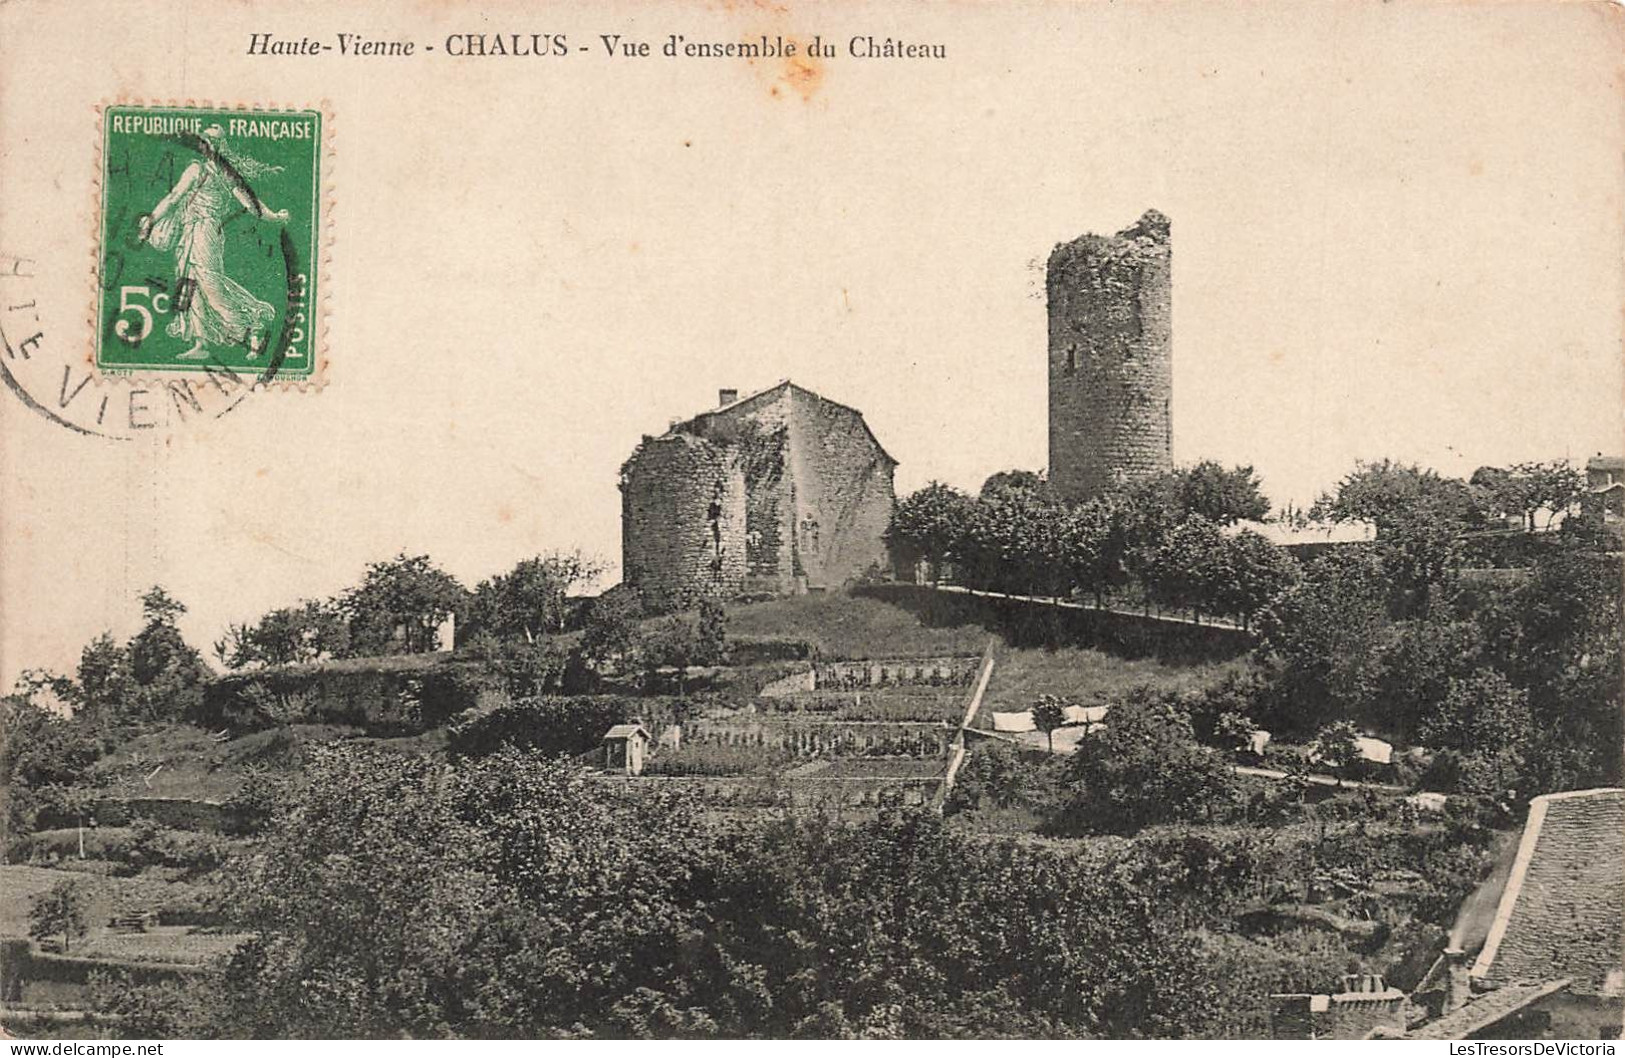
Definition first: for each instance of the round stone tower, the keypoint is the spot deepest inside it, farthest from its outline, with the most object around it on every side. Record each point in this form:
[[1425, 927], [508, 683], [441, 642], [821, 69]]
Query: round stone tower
[[1110, 359], [682, 520]]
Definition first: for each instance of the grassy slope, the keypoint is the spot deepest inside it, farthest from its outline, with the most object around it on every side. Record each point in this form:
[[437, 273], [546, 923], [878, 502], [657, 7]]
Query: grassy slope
[[1020, 676], [19, 884], [846, 626], [195, 766]]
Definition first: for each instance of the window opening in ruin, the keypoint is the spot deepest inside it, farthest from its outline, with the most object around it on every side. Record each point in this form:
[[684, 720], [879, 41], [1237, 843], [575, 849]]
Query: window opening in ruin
[[1071, 359], [713, 515]]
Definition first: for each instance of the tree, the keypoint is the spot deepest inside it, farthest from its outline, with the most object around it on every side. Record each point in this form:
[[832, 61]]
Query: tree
[[1207, 489], [1524, 489], [1256, 571], [1145, 768], [1557, 636], [43, 756], [612, 635], [61, 911], [927, 526], [1420, 517], [1047, 716], [532, 599], [399, 605], [1012, 481], [107, 687], [1092, 545], [1323, 642], [1013, 542], [166, 669], [305, 632], [169, 673], [712, 647], [1481, 713], [673, 642], [1219, 495], [1334, 747], [1189, 567], [1383, 492]]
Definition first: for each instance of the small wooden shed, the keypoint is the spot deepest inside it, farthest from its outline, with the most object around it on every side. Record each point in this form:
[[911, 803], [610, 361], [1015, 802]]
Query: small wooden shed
[[624, 747]]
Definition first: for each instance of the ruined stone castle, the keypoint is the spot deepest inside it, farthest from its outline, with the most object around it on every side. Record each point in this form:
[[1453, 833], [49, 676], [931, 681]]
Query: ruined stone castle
[[1110, 362], [778, 492]]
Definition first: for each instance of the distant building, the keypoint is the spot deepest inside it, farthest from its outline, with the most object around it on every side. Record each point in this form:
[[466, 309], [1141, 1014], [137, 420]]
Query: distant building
[[1305, 540], [1552, 962], [1605, 485], [624, 748], [777, 492]]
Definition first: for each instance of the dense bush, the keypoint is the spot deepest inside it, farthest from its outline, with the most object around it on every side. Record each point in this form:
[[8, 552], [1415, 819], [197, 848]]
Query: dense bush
[[1147, 767], [388, 696], [515, 920], [147, 844]]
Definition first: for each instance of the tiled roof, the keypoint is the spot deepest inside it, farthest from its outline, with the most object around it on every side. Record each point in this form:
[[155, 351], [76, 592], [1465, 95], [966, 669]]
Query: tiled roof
[[625, 731], [1562, 914], [1485, 1011], [1606, 463]]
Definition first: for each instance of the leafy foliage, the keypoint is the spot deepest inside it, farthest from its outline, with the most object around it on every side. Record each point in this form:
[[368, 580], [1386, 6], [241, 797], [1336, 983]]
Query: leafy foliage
[[305, 632], [534, 598], [399, 605], [926, 525], [548, 907], [1523, 490], [1147, 767], [43, 757], [61, 911]]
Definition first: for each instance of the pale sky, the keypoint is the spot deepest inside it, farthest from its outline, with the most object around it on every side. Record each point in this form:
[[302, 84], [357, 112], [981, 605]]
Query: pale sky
[[1396, 232]]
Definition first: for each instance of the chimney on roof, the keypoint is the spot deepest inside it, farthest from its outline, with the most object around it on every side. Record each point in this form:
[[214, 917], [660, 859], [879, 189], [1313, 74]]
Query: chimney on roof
[[1458, 986], [726, 397]]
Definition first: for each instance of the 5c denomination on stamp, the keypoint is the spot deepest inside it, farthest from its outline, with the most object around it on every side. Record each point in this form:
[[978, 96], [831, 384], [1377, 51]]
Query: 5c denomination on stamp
[[209, 256]]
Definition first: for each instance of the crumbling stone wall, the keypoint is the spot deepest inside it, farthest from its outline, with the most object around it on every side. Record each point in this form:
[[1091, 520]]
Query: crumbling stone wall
[[814, 499], [844, 492], [683, 519], [1110, 358]]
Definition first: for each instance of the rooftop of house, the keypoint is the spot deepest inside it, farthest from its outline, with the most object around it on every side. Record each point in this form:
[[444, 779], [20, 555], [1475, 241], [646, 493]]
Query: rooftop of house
[[1562, 912], [622, 732], [1486, 1010], [1606, 463], [1287, 534], [739, 403]]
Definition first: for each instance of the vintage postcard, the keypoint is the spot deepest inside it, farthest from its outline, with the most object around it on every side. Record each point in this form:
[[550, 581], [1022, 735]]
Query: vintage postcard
[[868, 519]]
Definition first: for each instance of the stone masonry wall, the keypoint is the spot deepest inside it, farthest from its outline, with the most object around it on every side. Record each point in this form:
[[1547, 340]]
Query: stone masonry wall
[[844, 493], [1110, 358], [806, 495], [683, 519]]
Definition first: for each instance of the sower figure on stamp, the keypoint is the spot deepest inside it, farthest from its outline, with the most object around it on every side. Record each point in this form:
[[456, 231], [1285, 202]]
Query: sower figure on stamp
[[211, 308]]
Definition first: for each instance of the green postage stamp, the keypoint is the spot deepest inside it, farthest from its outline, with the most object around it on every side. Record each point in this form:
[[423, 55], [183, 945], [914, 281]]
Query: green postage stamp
[[210, 221]]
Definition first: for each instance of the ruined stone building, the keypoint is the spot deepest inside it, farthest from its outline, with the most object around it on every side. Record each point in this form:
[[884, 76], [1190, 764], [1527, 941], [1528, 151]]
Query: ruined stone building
[[1110, 358], [780, 491]]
